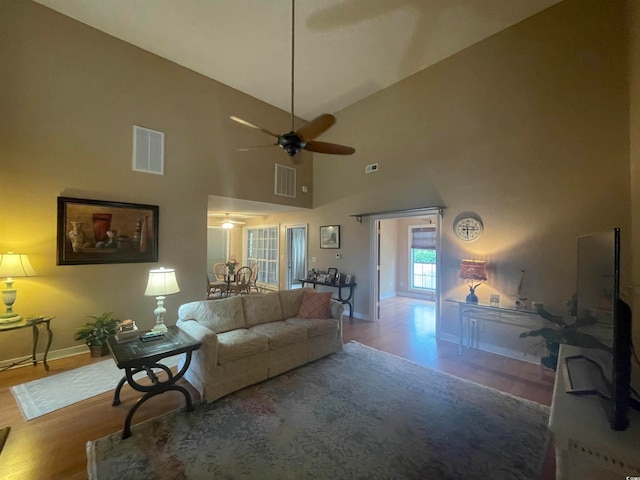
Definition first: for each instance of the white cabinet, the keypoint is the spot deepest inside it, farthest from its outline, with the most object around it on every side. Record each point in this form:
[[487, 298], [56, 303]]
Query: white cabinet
[[586, 446]]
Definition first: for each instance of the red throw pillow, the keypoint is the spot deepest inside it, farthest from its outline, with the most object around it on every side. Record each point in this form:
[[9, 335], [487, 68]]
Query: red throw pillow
[[315, 305]]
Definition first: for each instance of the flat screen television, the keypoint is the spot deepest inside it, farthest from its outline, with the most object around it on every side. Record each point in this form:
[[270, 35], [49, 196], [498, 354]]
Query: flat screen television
[[605, 366]]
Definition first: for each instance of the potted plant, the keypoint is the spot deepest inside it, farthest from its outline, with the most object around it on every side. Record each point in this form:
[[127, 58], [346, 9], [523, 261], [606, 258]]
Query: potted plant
[[562, 332], [95, 333]]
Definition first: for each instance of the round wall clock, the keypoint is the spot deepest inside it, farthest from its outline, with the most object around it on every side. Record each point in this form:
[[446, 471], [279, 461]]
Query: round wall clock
[[468, 228]]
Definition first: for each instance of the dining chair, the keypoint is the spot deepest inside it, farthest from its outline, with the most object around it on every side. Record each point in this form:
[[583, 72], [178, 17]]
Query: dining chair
[[254, 277], [242, 281], [216, 281]]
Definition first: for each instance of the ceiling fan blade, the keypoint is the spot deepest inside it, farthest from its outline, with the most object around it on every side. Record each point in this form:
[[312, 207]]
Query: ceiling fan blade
[[331, 148], [316, 127], [251, 125]]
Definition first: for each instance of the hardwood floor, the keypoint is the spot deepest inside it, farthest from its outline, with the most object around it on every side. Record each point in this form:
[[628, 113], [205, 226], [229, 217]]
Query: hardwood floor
[[53, 446]]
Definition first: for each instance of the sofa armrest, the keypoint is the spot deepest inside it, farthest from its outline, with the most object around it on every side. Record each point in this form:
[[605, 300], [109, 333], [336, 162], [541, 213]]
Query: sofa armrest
[[336, 310], [209, 340]]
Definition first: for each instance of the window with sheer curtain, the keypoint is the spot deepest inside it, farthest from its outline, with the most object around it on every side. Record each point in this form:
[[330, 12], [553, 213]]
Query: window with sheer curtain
[[262, 248]]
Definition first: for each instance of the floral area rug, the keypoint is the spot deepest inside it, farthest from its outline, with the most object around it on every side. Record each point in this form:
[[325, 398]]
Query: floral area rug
[[357, 414]]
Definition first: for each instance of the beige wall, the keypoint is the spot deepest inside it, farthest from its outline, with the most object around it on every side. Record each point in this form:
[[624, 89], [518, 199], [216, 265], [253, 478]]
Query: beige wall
[[529, 128], [69, 96]]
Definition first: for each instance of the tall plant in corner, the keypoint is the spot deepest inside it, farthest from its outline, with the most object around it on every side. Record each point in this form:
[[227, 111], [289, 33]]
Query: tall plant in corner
[[95, 333], [562, 332]]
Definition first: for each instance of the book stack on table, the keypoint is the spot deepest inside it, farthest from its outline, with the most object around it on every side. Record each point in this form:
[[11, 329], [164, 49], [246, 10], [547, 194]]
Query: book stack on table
[[126, 331]]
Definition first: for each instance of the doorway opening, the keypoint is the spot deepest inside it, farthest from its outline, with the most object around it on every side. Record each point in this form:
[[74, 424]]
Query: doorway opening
[[296, 255], [405, 264]]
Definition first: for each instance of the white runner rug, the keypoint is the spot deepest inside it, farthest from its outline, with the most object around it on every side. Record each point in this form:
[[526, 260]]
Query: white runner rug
[[47, 394]]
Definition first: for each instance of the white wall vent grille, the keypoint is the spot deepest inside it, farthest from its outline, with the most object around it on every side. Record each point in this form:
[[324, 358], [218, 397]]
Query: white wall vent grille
[[285, 182], [148, 150]]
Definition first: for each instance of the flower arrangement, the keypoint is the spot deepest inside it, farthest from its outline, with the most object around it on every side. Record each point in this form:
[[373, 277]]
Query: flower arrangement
[[231, 265]]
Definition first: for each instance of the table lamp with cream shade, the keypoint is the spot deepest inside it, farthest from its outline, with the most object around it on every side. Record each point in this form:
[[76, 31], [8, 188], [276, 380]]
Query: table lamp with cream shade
[[474, 272], [162, 282], [12, 265]]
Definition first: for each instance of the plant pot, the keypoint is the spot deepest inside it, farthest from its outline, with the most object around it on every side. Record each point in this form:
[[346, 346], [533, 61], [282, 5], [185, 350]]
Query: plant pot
[[99, 350]]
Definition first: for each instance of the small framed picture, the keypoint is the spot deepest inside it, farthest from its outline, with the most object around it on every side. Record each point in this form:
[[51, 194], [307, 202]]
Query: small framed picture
[[331, 274], [330, 236], [349, 279], [494, 300]]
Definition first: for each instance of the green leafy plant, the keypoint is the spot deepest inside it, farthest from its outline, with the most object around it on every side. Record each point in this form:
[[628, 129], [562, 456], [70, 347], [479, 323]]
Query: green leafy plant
[[562, 332], [95, 333]]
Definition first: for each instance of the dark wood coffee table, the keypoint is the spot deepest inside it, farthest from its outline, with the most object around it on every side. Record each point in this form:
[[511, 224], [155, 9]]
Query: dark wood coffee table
[[138, 356]]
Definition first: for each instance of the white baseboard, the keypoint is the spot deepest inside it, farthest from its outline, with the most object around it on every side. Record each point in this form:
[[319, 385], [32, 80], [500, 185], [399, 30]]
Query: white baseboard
[[52, 355], [419, 296]]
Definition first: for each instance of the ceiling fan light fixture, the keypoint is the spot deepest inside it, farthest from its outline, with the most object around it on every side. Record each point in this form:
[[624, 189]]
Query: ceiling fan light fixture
[[227, 225]]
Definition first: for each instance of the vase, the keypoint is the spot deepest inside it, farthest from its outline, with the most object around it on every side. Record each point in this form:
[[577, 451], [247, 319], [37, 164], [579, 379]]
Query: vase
[[111, 235], [77, 236], [101, 224]]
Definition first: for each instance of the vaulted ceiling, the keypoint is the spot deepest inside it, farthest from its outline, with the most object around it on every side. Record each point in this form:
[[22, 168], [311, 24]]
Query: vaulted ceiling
[[345, 50]]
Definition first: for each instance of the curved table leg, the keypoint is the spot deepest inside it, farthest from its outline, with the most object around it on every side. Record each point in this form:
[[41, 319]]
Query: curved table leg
[[49, 339], [35, 344], [157, 388], [126, 433]]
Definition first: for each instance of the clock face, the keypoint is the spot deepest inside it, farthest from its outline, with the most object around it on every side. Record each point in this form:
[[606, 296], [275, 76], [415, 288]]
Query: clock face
[[468, 229]]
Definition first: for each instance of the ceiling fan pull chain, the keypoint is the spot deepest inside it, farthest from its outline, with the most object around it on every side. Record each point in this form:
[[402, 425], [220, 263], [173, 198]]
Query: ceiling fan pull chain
[[303, 138], [293, 42]]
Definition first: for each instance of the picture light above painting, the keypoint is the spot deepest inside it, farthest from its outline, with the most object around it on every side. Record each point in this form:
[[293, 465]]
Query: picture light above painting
[[97, 231]]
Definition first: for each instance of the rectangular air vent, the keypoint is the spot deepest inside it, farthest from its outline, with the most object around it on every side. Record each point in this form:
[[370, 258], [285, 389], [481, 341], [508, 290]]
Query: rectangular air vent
[[371, 168], [285, 181], [148, 150]]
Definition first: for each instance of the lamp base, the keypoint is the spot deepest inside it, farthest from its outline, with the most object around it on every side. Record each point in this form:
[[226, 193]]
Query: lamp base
[[472, 298], [159, 328], [10, 318]]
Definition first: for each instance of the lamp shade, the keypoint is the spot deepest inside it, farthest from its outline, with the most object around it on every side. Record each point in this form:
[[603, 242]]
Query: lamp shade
[[162, 281], [15, 265], [473, 270]]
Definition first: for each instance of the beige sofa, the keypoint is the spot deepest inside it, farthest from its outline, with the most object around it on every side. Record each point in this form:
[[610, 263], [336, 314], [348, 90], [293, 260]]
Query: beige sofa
[[249, 338]]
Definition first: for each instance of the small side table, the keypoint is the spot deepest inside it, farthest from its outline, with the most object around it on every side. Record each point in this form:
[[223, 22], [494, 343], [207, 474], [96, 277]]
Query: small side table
[[138, 356], [34, 322]]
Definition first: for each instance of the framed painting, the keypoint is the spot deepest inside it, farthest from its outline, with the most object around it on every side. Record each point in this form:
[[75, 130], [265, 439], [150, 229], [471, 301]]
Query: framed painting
[[330, 236], [97, 231]]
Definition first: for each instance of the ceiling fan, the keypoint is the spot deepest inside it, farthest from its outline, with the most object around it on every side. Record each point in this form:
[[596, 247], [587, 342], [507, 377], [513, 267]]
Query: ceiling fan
[[304, 137], [227, 222]]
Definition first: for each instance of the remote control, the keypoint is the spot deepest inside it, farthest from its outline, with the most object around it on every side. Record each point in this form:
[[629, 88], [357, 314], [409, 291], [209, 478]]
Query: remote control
[[151, 336]]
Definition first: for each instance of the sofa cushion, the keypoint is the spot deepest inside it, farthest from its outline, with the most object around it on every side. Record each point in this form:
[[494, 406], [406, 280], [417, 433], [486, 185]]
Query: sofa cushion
[[217, 315], [290, 301], [241, 343], [261, 308], [281, 333], [315, 305], [315, 326]]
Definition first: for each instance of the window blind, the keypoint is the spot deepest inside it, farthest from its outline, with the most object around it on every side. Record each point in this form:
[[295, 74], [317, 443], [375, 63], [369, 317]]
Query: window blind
[[424, 238]]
